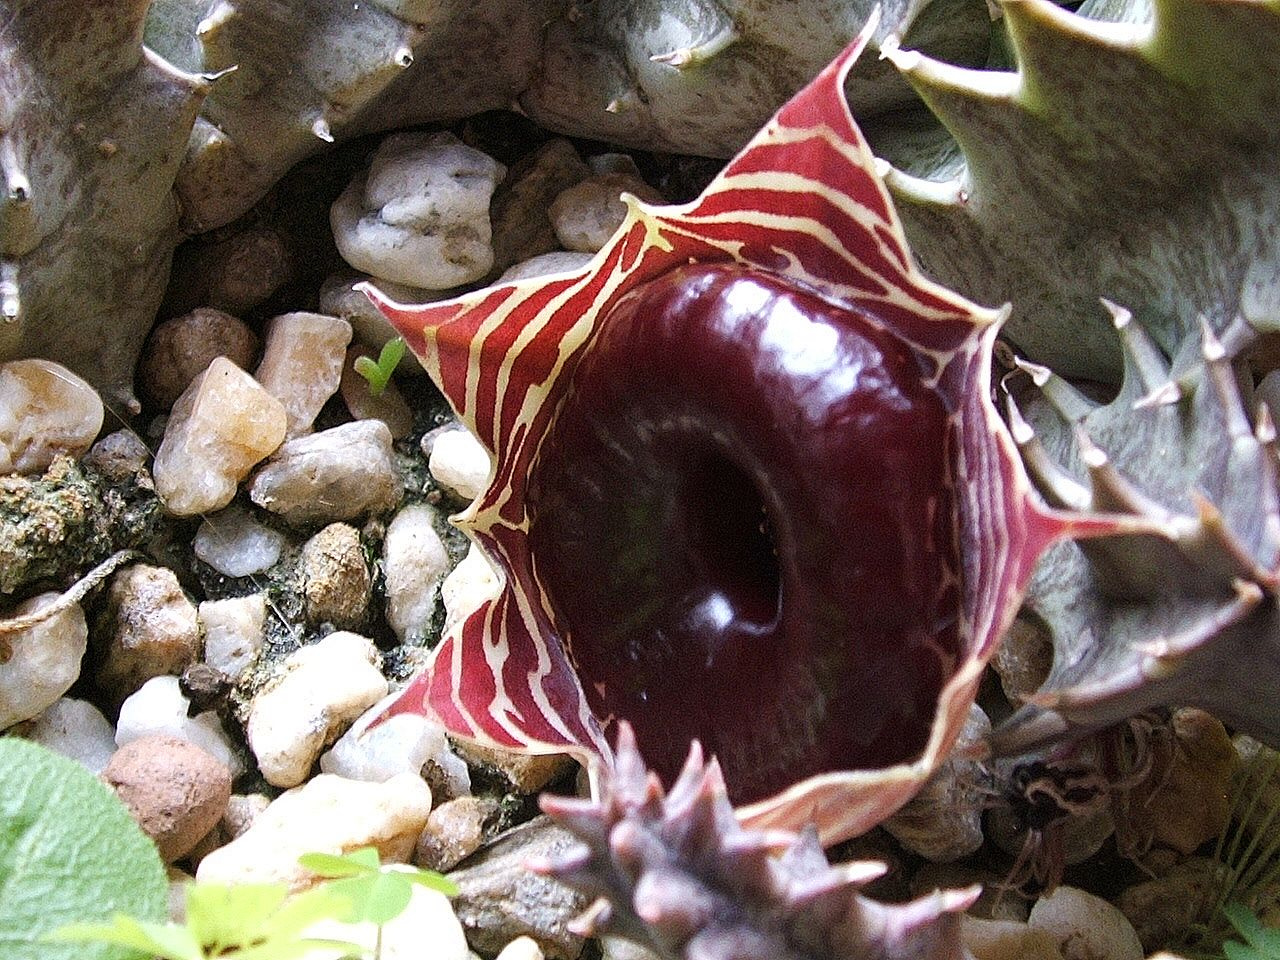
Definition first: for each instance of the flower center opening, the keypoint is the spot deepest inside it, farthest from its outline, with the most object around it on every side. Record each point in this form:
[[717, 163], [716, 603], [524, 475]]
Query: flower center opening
[[742, 520]]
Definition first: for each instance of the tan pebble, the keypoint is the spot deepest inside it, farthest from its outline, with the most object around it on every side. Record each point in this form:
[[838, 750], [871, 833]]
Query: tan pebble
[[454, 831], [301, 365], [1006, 940], [1163, 909], [1189, 801], [175, 790], [45, 410], [221, 426], [521, 226], [527, 773], [336, 582], [152, 629]]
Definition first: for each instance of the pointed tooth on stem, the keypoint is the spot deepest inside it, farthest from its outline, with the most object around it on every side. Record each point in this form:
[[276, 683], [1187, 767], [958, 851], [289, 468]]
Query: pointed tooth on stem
[[1058, 487], [592, 920], [1215, 547], [213, 35], [10, 302], [320, 127], [1165, 395], [976, 106], [1167, 653], [1112, 492], [1070, 403], [699, 52], [1044, 36], [1222, 380], [1142, 354]]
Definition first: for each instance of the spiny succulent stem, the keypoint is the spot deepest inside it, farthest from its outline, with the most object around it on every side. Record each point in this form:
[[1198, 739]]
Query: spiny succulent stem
[[1217, 549]]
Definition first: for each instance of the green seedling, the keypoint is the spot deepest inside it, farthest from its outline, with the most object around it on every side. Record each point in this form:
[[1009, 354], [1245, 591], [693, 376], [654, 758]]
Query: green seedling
[[378, 372], [262, 922], [1259, 943], [242, 922]]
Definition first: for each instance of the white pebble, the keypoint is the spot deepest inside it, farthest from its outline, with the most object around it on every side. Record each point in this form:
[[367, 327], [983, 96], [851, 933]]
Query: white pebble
[[1085, 927], [460, 463], [160, 708], [76, 729], [324, 688], [545, 264], [44, 662], [421, 214], [587, 214], [233, 632], [414, 562], [327, 815], [302, 364], [404, 743], [222, 425], [521, 948], [235, 544], [472, 582], [45, 410], [337, 474]]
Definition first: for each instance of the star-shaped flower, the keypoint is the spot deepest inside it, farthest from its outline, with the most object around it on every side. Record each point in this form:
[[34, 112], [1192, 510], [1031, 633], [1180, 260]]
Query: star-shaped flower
[[850, 601]]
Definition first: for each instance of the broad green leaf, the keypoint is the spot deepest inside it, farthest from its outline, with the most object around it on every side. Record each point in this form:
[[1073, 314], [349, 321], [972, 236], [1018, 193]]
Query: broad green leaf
[[169, 941], [69, 853]]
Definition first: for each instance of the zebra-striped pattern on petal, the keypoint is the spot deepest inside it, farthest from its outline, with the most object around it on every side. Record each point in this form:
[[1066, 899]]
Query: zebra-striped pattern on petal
[[802, 200]]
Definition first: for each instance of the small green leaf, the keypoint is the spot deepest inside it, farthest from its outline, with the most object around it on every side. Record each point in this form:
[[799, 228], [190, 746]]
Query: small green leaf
[[168, 941], [301, 911], [355, 863], [222, 916], [432, 881], [378, 898], [379, 373], [1263, 944]]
